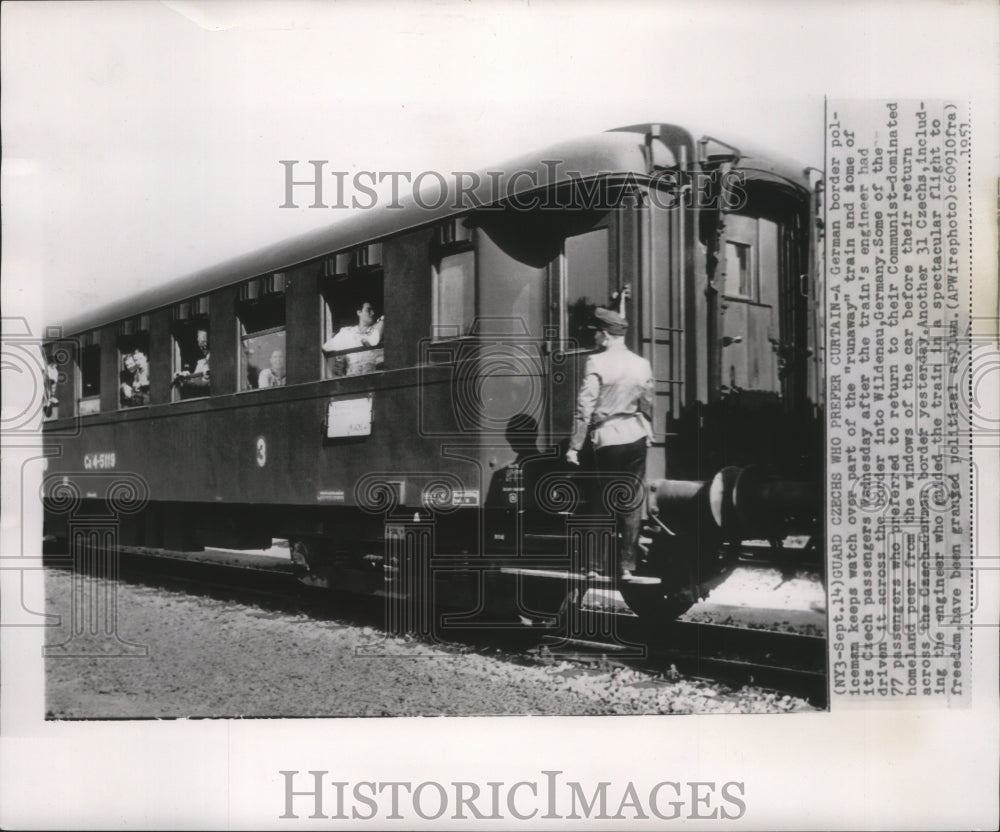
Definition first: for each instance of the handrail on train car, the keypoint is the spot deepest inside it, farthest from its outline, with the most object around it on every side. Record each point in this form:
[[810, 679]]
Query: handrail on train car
[[703, 144]]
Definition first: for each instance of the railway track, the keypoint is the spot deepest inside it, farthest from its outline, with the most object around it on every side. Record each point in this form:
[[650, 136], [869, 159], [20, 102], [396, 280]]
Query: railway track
[[781, 661]]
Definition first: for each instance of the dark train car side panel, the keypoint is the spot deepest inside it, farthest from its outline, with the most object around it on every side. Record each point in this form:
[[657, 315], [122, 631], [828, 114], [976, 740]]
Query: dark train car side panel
[[270, 447]]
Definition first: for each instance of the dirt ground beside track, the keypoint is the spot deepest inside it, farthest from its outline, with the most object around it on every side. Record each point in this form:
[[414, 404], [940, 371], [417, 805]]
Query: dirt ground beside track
[[209, 657]]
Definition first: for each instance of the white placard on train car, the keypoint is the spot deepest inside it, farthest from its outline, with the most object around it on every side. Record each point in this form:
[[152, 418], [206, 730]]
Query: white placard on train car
[[349, 417]]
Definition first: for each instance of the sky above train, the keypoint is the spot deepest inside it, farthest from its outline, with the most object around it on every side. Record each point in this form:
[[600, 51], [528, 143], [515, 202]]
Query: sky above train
[[142, 141]]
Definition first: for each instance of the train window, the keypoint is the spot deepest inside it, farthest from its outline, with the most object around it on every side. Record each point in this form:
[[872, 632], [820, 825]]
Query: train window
[[52, 356], [748, 253], [353, 289], [453, 268], [261, 313], [90, 374], [585, 266], [740, 273], [767, 259], [748, 314], [133, 362], [189, 330], [454, 294]]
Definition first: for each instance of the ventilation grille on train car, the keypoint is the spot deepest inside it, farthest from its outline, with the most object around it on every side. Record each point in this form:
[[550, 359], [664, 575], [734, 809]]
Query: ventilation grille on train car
[[346, 262], [362, 257], [454, 232], [259, 287], [194, 308], [133, 326]]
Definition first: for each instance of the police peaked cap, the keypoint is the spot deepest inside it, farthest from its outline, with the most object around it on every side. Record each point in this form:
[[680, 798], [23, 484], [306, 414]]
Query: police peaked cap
[[611, 322]]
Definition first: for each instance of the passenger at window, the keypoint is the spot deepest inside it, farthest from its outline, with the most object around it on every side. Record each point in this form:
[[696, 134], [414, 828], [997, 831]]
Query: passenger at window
[[128, 394], [273, 376], [141, 376], [49, 400], [249, 361], [358, 346], [196, 382]]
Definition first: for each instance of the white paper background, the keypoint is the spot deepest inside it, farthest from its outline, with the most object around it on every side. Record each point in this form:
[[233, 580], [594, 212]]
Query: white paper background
[[140, 141]]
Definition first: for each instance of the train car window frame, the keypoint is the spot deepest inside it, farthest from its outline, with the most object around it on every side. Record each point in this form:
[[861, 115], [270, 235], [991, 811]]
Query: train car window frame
[[750, 308], [88, 375], [574, 322], [747, 287], [262, 321], [742, 282], [454, 242], [353, 336], [188, 319], [53, 355], [133, 345]]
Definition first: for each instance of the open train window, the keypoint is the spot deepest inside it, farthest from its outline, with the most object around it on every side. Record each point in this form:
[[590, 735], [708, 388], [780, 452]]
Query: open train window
[[90, 373], [191, 354], [454, 281], [585, 265], [54, 357], [133, 362], [261, 313], [353, 289]]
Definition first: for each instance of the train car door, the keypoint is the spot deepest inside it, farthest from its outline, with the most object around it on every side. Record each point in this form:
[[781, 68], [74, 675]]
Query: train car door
[[582, 278], [540, 276], [748, 305], [511, 263]]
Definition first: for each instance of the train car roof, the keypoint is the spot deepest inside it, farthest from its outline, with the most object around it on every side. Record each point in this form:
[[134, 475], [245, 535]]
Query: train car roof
[[756, 162], [619, 151]]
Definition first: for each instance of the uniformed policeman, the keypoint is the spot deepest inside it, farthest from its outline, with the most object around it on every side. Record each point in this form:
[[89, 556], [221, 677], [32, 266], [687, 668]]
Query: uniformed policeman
[[615, 405]]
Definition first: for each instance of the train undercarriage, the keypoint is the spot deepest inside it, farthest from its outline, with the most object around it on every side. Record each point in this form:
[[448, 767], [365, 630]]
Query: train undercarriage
[[441, 567]]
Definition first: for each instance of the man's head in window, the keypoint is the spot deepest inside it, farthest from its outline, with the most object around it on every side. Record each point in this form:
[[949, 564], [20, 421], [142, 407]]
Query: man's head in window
[[357, 349], [277, 362], [202, 340], [141, 366], [366, 315], [368, 332], [274, 374]]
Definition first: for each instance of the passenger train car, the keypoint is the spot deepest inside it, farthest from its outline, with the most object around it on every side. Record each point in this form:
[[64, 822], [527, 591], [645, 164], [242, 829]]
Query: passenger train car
[[399, 387]]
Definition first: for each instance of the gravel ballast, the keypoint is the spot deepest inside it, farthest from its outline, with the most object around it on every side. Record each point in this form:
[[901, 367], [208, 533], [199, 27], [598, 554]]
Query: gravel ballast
[[209, 657]]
